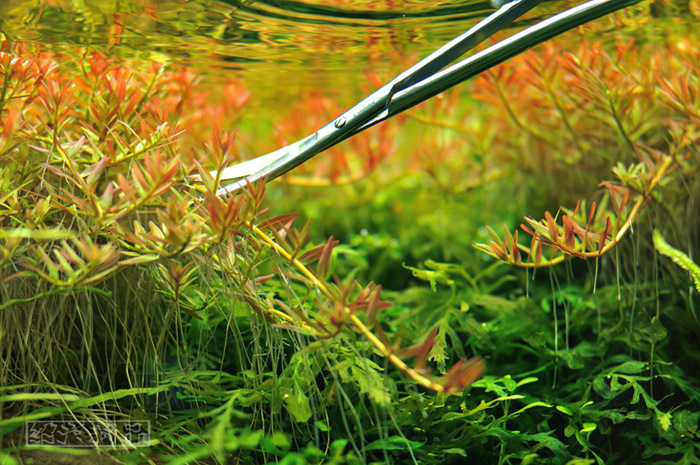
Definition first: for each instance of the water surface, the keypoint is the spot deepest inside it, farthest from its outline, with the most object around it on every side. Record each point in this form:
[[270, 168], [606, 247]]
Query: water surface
[[280, 49]]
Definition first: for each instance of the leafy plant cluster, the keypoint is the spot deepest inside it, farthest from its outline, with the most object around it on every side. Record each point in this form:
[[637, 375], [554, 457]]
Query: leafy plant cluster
[[245, 333], [130, 289], [599, 346]]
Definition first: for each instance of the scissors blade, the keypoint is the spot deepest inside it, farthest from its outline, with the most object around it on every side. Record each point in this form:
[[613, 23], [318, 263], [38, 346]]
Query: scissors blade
[[407, 90], [500, 52], [372, 107]]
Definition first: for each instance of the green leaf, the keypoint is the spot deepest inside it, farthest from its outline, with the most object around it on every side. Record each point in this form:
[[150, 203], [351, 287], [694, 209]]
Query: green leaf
[[6, 459], [370, 381], [433, 277], [548, 441], [678, 257], [490, 383], [249, 439], [529, 406], [528, 380], [297, 403], [537, 340], [664, 420], [393, 443], [565, 410], [630, 368], [572, 358], [588, 427], [486, 405], [580, 462], [28, 396], [509, 383], [438, 353], [38, 235], [322, 426], [281, 440], [686, 421]]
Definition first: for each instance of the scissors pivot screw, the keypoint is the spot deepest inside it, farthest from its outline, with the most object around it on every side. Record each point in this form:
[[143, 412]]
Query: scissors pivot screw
[[340, 122]]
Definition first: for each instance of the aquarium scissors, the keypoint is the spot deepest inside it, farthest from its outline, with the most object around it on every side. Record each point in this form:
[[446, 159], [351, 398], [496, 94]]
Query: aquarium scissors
[[420, 82]]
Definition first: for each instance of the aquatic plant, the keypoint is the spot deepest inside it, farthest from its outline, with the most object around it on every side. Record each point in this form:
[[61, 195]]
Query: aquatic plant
[[246, 333], [118, 258], [599, 348]]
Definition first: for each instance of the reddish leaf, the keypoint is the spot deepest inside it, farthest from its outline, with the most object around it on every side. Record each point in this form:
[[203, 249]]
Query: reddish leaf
[[623, 203], [590, 215], [462, 374], [497, 251], [552, 227], [569, 239], [373, 306], [424, 349], [516, 252], [312, 255], [538, 253], [277, 222], [324, 263]]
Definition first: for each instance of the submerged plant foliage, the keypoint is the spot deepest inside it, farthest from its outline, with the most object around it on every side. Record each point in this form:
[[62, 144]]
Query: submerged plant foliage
[[245, 333], [101, 203]]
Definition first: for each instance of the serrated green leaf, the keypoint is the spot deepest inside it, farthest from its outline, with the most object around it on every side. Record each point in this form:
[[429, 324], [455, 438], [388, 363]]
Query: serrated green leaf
[[664, 420], [370, 381], [630, 368], [438, 353]]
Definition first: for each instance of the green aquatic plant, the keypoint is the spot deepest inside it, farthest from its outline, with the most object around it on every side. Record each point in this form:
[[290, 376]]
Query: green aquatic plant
[[678, 257]]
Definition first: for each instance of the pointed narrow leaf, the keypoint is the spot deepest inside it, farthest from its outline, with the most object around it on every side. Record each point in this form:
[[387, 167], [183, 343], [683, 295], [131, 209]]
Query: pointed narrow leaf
[[552, 227], [497, 252], [590, 215], [516, 252], [569, 239], [495, 237], [324, 263], [604, 236], [278, 222], [507, 238], [538, 253], [312, 255]]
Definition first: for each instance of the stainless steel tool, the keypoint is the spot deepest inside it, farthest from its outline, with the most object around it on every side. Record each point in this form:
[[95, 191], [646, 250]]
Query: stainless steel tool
[[423, 80]]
